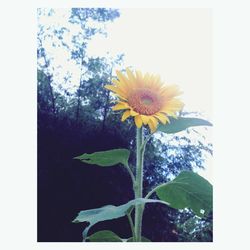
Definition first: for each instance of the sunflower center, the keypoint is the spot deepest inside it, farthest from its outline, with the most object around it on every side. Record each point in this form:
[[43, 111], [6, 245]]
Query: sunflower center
[[144, 101], [147, 100]]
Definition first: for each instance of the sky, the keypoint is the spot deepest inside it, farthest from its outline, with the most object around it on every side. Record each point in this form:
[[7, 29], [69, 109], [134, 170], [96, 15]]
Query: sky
[[174, 43]]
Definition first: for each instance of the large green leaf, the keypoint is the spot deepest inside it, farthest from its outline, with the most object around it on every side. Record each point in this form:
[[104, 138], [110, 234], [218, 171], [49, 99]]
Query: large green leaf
[[188, 190], [104, 236], [109, 236], [182, 123], [108, 212], [106, 158]]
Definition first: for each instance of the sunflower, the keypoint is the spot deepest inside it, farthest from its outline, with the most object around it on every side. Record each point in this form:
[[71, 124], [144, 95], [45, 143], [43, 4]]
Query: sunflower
[[145, 98]]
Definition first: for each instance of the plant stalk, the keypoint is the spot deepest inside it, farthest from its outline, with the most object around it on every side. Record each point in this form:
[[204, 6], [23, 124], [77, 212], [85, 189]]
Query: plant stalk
[[131, 225], [139, 182]]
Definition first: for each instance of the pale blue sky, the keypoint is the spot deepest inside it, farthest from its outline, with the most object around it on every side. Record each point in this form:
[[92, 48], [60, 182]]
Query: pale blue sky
[[174, 43]]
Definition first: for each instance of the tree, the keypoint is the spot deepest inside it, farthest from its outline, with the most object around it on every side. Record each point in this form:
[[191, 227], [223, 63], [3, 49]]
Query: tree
[[192, 228], [44, 64], [55, 36], [81, 17]]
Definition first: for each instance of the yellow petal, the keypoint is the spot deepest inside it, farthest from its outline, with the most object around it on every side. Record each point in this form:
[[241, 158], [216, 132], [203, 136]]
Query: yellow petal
[[139, 79], [117, 91], [175, 104], [119, 106], [161, 117], [154, 83], [125, 115], [151, 126], [168, 121], [171, 91], [139, 74], [138, 121], [110, 87], [133, 113], [115, 81], [122, 77], [145, 119], [156, 80], [147, 79], [172, 107], [152, 123], [121, 85], [114, 89], [131, 77], [169, 113]]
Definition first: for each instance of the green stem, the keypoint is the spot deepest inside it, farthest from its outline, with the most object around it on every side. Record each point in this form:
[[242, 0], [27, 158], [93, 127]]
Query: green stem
[[154, 190], [150, 193], [130, 173], [131, 225], [145, 142], [139, 182]]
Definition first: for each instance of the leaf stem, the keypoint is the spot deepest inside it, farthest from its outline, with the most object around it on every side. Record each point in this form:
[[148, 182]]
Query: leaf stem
[[153, 190], [130, 173], [145, 142], [131, 224]]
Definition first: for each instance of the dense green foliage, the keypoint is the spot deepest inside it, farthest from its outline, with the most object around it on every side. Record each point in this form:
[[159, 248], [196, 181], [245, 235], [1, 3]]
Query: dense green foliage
[[76, 120]]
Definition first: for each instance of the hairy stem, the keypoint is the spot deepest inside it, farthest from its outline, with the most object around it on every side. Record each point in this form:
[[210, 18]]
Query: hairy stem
[[139, 182], [130, 173], [154, 190], [131, 225]]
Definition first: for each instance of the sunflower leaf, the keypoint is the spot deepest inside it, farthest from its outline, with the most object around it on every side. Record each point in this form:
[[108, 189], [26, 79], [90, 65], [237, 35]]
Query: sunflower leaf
[[106, 158], [109, 212], [104, 236], [188, 190], [182, 123], [109, 236]]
